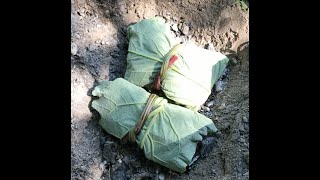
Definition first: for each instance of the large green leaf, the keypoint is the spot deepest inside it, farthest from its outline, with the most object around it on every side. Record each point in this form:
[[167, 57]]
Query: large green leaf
[[192, 76], [171, 132]]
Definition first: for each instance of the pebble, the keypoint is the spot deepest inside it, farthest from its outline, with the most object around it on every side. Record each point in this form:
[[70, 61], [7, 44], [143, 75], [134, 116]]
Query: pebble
[[74, 49], [219, 86], [205, 108], [185, 29], [210, 104], [91, 47], [99, 26], [77, 36], [222, 106], [119, 161], [161, 177], [234, 61], [246, 127], [174, 27], [241, 127], [235, 136], [102, 165], [242, 140], [245, 119], [180, 25]]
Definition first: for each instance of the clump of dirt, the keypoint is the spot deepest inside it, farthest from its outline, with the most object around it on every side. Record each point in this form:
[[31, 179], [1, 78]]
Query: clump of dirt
[[98, 51]]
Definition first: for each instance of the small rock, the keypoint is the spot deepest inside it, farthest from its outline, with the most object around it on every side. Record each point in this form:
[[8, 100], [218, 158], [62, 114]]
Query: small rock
[[219, 85], [222, 106], [210, 104], [245, 119], [234, 61], [174, 27], [184, 38], [180, 25], [185, 29], [91, 47], [102, 165], [246, 127], [205, 108], [235, 136], [119, 161], [161, 177], [241, 127], [74, 49], [242, 140], [77, 36], [99, 26]]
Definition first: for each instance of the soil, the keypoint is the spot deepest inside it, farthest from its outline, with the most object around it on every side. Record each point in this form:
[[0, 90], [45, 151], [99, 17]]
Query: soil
[[98, 51]]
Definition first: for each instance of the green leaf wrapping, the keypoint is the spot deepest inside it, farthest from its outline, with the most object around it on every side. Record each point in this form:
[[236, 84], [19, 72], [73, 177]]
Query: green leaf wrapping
[[170, 133], [192, 76]]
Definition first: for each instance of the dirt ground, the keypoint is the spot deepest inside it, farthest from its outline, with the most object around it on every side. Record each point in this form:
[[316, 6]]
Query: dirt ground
[[98, 51]]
